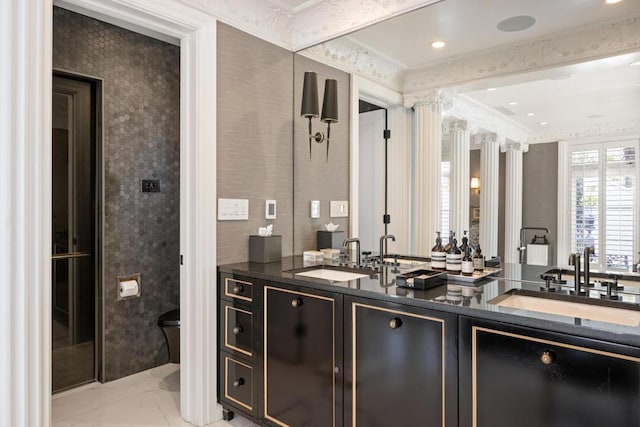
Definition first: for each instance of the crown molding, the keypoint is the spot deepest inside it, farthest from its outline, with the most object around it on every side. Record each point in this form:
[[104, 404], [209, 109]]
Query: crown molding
[[480, 116], [623, 128], [348, 55], [592, 42]]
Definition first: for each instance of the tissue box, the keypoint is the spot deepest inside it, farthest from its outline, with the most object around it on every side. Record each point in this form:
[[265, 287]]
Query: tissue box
[[330, 239], [265, 249]]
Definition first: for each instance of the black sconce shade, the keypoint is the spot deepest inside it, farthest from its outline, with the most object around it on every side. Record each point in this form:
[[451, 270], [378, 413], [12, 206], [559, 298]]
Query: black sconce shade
[[330, 102], [310, 95]]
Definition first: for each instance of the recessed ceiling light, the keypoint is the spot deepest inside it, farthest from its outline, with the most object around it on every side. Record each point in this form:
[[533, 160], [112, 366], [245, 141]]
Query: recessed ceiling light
[[438, 44], [543, 123], [516, 23], [491, 89], [512, 103], [635, 63], [612, 1], [530, 114]]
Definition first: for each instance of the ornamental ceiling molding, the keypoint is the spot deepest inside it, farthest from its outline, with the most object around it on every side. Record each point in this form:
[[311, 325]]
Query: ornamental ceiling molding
[[480, 116], [329, 19], [568, 47], [624, 128], [427, 97], [350, 56]]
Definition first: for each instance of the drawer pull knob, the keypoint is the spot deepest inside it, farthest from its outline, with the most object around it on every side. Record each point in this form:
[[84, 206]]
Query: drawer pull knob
[[237, 383], [238, 329], [297, 302], [395, 323], [547, 357], [238, 289]]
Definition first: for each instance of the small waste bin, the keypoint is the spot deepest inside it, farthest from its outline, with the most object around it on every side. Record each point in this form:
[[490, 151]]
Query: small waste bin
[[169, 322]]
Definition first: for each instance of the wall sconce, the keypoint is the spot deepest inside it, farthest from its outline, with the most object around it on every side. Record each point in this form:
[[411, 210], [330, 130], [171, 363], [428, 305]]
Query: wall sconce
[[475, 184], [310, 106]]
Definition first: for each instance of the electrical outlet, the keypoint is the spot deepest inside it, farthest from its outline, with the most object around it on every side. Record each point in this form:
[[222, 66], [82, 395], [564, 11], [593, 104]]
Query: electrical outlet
[[150, 186], [270, 209], [339, 209], [315, 209]]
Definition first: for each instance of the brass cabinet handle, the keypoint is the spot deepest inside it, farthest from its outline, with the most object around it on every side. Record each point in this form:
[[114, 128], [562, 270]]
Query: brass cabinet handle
[[395, 323], [547, 357], [238, 329], [296, 302], [238, 289], [237, 383]]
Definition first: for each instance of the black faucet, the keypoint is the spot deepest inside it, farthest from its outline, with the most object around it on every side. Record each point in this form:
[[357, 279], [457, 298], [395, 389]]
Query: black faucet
[[383, 246], [588, 251], [574, 260]]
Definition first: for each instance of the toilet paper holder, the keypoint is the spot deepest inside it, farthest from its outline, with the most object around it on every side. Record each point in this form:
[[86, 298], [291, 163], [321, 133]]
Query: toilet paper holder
[[128, 287]]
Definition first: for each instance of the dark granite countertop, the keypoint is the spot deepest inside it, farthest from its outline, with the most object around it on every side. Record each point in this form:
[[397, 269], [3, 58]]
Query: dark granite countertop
[[464, 298]]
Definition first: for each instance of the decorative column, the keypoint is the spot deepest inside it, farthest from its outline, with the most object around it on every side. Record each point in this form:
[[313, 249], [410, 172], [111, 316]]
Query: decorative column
[[459, 188], [513, 200], [489, 185], [428, 155]]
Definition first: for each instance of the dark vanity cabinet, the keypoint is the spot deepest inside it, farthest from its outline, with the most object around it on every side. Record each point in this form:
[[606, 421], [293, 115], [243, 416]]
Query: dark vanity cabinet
[[239, 343], [400, 365], [516, 376], [302, 356]]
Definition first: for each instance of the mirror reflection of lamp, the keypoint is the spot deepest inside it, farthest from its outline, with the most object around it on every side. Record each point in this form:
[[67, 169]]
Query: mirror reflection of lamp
[[475, 184], [310, 106]]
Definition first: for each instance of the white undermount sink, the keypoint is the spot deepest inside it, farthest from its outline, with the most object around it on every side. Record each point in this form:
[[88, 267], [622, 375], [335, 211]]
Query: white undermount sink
[[332, 275], [599, 313]]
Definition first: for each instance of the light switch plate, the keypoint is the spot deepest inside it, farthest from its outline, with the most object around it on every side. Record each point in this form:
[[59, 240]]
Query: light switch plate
[[270, 209], [339, 209], [233, 209], [315, 209]]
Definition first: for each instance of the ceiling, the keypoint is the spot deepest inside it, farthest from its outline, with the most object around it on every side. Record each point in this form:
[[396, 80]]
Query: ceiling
[[582, 99]]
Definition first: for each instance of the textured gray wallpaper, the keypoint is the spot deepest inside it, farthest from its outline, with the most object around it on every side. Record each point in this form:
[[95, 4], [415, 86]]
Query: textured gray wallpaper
[[254, 147], [141, 84], [315, 179]]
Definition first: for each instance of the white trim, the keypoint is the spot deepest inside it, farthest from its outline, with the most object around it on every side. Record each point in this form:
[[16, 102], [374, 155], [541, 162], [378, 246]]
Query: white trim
[[25, 209], [564, 215]]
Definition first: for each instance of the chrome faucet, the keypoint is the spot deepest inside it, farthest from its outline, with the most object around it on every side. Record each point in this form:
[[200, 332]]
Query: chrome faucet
[[346, 244], [383, 246], [588, 251], [574, 260]]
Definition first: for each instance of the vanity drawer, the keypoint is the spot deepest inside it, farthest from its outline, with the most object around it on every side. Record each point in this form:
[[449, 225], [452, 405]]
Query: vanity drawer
[[238, 334], [240, 384], [238, 289]]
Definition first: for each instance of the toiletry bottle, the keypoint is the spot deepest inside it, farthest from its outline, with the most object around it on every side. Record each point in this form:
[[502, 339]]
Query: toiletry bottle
[[465, 243], [478, 259], [636, 265], [454, 257], [467, 262], [438, 255], [447, 247]]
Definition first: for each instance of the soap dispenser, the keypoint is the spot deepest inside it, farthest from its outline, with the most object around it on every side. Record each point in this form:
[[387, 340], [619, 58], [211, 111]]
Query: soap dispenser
[[454, 257], [467, 261], [438, 254]]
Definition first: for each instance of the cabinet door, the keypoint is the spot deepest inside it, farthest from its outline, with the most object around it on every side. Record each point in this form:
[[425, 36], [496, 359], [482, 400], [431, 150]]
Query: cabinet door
[[300, 354], [526, 377], [400, 366]]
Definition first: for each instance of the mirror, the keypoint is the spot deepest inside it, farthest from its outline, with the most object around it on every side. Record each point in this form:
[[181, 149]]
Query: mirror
[[567, 77]]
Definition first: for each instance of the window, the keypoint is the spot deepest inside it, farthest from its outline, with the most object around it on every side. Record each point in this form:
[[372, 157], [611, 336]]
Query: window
[[602, 201], [445, 173]]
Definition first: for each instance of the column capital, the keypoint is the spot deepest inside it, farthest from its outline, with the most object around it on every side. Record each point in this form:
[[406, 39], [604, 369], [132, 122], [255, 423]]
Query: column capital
[[427, 97], [458, 125], [514, 146], [487, 137]]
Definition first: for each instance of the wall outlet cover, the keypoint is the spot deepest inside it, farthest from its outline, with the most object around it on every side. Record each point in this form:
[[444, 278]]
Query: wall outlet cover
[[339, 209], [270, 209], [315, 209]]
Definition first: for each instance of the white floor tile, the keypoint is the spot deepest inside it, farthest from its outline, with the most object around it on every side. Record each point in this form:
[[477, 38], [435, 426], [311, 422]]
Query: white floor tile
[[147, 399]]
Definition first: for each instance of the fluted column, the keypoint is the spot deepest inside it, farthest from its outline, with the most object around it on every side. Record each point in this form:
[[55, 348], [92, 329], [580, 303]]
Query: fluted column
[[459, 188], [489, 196], [513, 200], [426, 209]]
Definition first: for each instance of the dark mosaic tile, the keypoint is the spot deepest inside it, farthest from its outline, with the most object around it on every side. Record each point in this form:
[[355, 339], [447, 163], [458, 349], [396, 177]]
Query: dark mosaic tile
[[141, 84]]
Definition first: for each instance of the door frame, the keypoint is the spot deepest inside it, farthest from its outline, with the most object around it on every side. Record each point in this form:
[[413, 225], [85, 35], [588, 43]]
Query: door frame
[[25, 208]]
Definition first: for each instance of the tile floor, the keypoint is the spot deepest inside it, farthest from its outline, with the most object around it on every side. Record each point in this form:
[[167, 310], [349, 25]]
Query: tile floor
[[147, 399]]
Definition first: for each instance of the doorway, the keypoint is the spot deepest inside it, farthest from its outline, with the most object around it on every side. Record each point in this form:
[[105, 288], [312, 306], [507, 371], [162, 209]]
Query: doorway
[[75, 256]]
